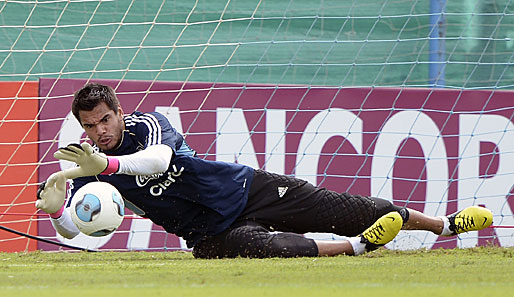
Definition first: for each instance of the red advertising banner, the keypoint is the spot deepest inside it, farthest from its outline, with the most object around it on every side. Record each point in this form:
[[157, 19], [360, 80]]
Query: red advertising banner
[[433, 150], [18, 159]]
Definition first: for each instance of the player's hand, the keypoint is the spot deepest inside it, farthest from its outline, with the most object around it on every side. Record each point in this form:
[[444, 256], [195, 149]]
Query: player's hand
[[89, 161], [51, 193]]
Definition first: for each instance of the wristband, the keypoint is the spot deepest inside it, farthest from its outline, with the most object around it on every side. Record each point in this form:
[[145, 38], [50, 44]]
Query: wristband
[[58, 213], [113, 164]]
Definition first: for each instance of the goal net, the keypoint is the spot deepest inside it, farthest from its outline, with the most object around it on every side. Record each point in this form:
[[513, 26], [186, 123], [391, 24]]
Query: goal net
[[405, 100]]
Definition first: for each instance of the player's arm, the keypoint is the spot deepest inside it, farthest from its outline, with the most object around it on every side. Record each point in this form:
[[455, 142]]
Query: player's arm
[[154, 159], [51, 194], [64, 225]]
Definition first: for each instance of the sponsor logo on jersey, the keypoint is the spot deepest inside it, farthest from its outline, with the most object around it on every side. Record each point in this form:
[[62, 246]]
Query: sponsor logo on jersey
[[142, 180], [156, 190]]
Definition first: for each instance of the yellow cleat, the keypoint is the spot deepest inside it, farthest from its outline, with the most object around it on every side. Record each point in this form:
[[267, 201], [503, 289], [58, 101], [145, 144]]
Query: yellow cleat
[[382, 231], [472, 218]]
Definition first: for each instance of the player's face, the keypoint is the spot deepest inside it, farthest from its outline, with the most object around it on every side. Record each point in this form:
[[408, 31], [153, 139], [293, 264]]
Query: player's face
[[103, 126]]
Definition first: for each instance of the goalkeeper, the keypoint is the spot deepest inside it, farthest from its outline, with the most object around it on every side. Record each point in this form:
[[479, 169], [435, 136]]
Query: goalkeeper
[[221, 209]]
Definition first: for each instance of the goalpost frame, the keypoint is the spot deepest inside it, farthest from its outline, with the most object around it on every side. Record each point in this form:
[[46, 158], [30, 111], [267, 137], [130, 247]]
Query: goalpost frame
[[437, 43]]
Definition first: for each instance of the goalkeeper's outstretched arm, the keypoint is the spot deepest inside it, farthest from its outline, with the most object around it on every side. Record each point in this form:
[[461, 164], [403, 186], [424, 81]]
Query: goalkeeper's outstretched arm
[[51, 195], [153, 159]]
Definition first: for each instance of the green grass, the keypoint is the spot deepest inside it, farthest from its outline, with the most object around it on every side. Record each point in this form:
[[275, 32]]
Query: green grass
[[458, 272]]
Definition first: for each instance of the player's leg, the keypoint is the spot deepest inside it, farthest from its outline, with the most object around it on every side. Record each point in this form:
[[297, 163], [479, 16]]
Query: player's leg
[[380, 233], [420, 221], [334, 247], [289, 204], [472, 218], [413, 219], [252, 240]]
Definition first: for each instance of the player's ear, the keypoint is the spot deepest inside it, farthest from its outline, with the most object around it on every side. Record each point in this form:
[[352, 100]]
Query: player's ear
[[120, 112]]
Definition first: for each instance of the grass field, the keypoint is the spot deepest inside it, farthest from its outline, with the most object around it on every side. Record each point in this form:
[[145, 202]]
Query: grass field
[[458, 272]]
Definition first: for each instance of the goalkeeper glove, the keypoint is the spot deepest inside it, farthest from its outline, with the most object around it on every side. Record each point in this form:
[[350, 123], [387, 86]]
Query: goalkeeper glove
[[51, 193], [89, 161]]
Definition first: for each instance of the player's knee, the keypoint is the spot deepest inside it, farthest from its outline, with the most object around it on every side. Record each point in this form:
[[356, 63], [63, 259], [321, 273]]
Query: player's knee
[[385, 206], [210, 248]]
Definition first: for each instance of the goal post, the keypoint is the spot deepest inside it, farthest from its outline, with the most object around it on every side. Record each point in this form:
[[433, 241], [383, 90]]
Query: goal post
[[339, 93]]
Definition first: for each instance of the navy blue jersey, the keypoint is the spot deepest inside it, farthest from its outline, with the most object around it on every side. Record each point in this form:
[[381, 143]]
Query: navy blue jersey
[[193, 198]]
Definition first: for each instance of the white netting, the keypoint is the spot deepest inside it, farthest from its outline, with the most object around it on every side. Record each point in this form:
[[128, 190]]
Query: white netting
[[295, 87]]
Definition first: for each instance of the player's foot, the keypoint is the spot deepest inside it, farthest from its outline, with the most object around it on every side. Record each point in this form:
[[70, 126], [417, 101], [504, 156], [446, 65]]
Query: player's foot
[[382, 231], [472, 218]]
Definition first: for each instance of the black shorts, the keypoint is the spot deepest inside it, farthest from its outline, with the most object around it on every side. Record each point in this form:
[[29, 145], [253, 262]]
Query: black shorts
[[291, 206], [284, 203]]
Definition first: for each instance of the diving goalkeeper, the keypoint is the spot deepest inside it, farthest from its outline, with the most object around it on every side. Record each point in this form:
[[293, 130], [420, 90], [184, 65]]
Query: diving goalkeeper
[[221, 209]]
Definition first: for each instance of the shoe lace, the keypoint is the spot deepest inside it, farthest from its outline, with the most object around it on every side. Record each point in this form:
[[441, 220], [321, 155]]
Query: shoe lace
[[464, 223], [376, 232]]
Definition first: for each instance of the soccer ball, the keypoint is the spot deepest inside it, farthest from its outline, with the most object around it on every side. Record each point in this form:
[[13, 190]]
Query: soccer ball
[[97, 209]]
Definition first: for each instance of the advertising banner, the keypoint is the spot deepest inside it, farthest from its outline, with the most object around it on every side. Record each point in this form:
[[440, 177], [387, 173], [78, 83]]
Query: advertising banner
[[433, 150]]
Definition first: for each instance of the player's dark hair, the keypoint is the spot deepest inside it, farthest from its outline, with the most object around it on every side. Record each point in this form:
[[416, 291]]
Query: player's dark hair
[[92, 94]]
